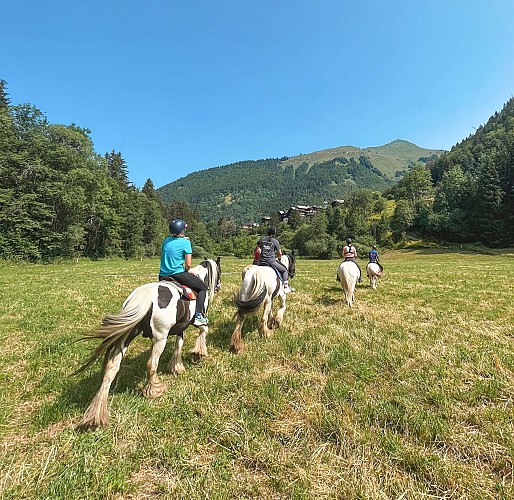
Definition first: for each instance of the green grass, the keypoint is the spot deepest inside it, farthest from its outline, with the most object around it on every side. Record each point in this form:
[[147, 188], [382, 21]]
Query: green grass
[[407, 395]]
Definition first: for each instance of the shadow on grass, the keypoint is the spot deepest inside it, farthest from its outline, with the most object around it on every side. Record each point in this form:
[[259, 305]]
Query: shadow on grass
[[131, 378], [225, 329], [80, 389]]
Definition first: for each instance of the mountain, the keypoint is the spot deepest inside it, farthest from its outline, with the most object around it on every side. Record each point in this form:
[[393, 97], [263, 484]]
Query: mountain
[[247, 190]]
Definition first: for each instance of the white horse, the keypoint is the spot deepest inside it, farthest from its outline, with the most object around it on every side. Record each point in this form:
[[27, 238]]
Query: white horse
[[260, 287], [156, 310], [374, 271], [348, 274], [288, 260]]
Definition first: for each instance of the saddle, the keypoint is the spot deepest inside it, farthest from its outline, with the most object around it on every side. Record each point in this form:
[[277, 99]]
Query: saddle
[[185, 292], [279, 279]]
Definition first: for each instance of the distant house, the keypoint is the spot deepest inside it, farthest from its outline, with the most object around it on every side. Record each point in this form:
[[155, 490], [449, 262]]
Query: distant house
[[302, 210], [249, 225]]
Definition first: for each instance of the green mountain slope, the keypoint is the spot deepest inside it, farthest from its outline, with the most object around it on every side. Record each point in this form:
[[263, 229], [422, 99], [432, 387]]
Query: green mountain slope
[[245, 191]]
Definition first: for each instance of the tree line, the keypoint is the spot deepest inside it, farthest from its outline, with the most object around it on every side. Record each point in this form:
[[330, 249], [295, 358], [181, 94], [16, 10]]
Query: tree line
[[61, 199]]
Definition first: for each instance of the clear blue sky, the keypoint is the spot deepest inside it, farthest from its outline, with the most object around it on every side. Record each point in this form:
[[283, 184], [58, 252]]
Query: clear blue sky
[[178, 86]]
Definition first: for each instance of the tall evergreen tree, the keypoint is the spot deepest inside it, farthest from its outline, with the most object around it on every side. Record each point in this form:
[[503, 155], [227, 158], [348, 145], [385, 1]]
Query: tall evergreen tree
[[489, 226], [117, 167]]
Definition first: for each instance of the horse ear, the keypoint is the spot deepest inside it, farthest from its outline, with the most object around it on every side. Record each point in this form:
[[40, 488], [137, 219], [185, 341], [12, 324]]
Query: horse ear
[[218, 260], [293, 253], [205, 258]]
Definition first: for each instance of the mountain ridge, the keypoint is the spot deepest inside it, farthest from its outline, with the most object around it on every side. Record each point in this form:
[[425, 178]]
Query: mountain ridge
[[247, 190]]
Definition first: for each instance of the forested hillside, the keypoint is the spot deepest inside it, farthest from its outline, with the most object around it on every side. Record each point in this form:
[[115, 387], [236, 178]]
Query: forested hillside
[[59, 198], [474, 196], [246, 191]]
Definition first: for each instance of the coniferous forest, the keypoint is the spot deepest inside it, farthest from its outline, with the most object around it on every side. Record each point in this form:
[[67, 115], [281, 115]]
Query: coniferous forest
[[59, 198]]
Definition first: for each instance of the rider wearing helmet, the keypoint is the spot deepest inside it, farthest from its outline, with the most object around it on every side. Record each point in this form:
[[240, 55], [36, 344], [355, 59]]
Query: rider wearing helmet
[[269, 250], [350, 253], [176, 261]]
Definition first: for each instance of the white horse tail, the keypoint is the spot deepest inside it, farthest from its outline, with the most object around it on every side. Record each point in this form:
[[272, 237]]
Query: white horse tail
[[117, 328], [373, 269], [348, 274], [252, 293]]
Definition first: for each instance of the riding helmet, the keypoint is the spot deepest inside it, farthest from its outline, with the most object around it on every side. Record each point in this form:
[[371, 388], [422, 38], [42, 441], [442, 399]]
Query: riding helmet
[[349, 241], [177, 226], [272, 231]]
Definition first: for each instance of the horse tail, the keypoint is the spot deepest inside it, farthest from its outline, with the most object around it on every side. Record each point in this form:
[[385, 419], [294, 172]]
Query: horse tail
[[117, 328], [376, 273], [349, 275], [252, 293]]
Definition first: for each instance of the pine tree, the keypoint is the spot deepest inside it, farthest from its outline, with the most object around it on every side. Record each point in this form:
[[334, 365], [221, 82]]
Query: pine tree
[[117, 168], [489, 226]]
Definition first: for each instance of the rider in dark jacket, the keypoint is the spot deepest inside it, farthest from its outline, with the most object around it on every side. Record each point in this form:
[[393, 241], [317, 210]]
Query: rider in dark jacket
[[270, 249]]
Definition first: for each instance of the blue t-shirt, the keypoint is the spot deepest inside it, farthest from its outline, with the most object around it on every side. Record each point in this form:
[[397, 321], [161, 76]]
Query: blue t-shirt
[[173, 256], [373, 255]]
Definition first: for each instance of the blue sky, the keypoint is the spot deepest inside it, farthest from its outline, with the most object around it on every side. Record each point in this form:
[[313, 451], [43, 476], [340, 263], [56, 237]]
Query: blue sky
[[178, 86]]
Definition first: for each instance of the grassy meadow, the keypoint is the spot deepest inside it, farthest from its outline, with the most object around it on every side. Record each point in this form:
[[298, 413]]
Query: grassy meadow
[[408, 395]]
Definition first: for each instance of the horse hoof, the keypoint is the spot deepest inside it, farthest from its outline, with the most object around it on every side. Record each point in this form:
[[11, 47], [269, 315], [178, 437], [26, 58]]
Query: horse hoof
[[235, 349], [154, 391], [83, 427], [196, 358], [177, 370]]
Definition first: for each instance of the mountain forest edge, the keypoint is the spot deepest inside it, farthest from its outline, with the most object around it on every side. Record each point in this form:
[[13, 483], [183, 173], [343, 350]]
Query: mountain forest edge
[[59, 198]]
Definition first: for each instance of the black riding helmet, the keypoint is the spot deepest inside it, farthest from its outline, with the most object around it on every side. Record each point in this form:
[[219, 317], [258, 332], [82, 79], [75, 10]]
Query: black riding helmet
[[272, 231], [177, 226], [348, 241]]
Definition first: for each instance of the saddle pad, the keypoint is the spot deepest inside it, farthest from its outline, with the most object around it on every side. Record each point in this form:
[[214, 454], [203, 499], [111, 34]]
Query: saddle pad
[[185, 291]]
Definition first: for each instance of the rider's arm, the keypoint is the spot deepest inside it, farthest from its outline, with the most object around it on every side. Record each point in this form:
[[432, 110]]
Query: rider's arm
[[187, 262]]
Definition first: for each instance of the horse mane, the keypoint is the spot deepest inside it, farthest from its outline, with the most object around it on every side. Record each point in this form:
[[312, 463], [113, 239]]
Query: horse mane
[[213, 271]]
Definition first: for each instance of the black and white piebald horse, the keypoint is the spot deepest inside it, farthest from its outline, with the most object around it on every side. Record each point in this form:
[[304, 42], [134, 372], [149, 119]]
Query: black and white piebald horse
[[261, 285], [156, 310]]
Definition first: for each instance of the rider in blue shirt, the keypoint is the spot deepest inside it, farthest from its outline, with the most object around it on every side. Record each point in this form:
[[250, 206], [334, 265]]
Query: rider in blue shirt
[[175, 263], [373, 256]]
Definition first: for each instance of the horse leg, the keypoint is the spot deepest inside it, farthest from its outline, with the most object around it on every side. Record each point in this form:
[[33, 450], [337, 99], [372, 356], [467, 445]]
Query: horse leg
[[265, 330], [279, 317], [199, 351], [96, 414], [348, 293], [155, 387], [352, 293], [236, 342], [175, 366]]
